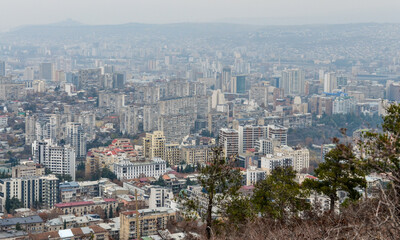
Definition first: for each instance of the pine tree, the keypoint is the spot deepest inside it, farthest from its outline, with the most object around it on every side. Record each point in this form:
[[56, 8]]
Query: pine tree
[[339, 172], [279, 196], [220, 182]]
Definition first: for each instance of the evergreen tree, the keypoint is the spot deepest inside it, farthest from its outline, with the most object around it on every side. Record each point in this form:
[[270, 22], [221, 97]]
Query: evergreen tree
[[381, 153], [279, 196], [339, 172], [110, 214], [65, 224], [220, 182], [18, 226]]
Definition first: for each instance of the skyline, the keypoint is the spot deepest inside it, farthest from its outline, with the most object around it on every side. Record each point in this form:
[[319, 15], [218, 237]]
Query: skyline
[[288, 12]]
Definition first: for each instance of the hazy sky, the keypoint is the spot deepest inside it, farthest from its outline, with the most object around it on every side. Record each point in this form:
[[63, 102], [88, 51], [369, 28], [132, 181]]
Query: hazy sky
[[21, 12]]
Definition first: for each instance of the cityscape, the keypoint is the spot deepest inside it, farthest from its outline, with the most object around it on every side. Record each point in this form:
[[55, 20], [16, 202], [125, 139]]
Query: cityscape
[[200, 130]]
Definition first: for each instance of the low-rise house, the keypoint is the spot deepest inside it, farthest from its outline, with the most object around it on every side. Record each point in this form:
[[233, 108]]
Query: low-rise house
[[31, 224], [91, 232]]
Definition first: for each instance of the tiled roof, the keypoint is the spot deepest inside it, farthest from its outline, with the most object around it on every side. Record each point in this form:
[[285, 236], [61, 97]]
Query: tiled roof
[[21, 220]]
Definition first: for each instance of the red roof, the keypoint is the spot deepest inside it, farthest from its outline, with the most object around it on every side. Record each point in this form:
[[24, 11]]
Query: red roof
[[109, 200], [312, 177], [73, 204]]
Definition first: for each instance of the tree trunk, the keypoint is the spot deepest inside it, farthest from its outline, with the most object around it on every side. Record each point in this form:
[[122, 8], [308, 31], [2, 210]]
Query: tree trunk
[[209, 217], [332, 204]]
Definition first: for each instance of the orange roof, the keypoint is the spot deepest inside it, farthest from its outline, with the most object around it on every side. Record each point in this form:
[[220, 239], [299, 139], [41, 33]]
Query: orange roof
[[166, 177]]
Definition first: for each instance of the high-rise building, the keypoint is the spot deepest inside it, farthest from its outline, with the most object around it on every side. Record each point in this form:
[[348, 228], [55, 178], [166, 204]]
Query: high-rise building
[[267, 145], [330, 82], [30, 190], [249, 135], [293, 82], [154, 145], [196, 155], [58, 159], [129, 121], [2, 68], [46, 71], [30, 128], [118, 80], [278, 133], [29, 73], [301, 156], [226, 79], [229, 141], [172, 153], [75, 136], [239, 85]]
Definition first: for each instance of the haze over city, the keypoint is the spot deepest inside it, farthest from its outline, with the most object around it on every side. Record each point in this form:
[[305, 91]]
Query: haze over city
[[178, 120], [287, 12]]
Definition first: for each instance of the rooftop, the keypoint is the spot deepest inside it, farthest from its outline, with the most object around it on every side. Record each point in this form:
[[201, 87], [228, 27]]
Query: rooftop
[[21, 220]]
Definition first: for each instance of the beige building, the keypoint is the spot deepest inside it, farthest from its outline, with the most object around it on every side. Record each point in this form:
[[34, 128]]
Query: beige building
[[154, 145], [172, 153], [194, 155], [27, 168], [301, 156], [86, 207], [150, 220]]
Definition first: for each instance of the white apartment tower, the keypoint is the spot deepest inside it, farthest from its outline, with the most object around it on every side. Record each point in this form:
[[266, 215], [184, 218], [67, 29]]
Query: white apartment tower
[[249, 135], [293, 82], [75, 136], [330, 82], [229, 141], [58, 159]]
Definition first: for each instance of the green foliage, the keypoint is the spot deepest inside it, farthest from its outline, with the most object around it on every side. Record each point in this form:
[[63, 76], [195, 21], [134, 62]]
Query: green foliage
[[4, 175], [382, 150], [279, 196], [240, 210], [159, 182], [110, 214], [64, 177], [18, 226], [12, 204], [107, 173], [339, 172], [189, 182], [220, 182], [47, 171], [328, 127], [65, 224]]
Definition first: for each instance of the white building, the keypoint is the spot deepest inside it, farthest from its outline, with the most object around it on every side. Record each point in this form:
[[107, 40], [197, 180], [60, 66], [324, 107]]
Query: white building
[[58, 159], [249, 135], [330, 82], [278, 133], [270, 162], [159, 197], [75, 136], [301, 156], [130, 170], [30, 190], [293, 82], [253, 175], [267, 145], [343, 105], [229, 141]]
